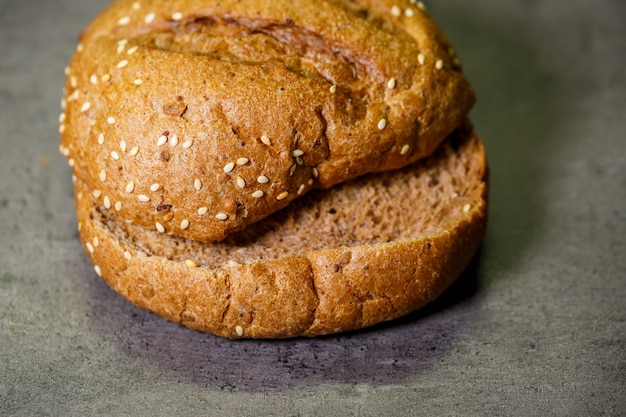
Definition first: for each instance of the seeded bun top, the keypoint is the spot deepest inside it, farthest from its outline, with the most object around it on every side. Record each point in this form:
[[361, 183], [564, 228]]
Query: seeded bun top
[[198, 118]]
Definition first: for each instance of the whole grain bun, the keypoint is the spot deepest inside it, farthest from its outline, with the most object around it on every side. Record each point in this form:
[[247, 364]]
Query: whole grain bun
[[366, 251], [198, 118]]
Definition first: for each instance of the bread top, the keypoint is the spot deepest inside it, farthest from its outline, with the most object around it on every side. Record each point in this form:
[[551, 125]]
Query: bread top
[[198, 118]]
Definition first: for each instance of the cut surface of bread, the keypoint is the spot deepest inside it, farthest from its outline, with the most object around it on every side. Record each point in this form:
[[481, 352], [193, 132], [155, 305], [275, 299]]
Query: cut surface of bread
[[366, 251], [223, 112]]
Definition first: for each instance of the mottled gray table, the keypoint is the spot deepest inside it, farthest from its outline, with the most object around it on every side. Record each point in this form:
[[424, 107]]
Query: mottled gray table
[[535, 327]]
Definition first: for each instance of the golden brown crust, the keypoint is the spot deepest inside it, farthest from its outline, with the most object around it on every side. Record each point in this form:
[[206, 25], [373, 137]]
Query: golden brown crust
[[306, 290], [201, 117]]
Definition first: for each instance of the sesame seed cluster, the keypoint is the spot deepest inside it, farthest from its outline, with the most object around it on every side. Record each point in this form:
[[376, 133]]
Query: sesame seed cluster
[[197, 119]]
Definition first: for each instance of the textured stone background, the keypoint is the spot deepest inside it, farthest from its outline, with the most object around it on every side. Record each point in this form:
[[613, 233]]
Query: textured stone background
[[535, 327]]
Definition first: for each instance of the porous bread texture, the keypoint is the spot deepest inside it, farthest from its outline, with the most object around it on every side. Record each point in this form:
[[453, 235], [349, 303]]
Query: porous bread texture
[[202, 117], [366, 251]]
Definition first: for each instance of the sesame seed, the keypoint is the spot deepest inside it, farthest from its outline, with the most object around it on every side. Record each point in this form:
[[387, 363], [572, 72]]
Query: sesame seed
[[421, 59], [409, 12], [310, 181], [292, 170], [74, 179], [266, 140], [71, 162], [229, 167], [124, 21], [221, 216], [105, 78], [101, 139], [85, 106], [299, 160], [421, 6], [107, 202], [118, 206], [203, 210], [439, 64], [115, 155], [239, 330], [96, 242], [122, 63], [242, 161], [138, 81], [184, 224], [155, 187], [296, 153], [258, 194], [160, 227], [315, 172], [80, 47], [405, 149], [73, 96], [98, 270], [136, 5], [130, 187], [263, 179], [123, 145], [162, 140], [467, 208], [177, 16], [382, 123], [127, 255], [103, 175], [241, 183], [391, 84], [97, 193], [190, 263], [301, 189], [93, 79], [396, 11], [61, 128], [173, 140], [63, 103], [134, 150], [143, 198], [67, 71], [333, 89], [111, 120], [455, 194], [149, 18], [197, 184], [187, 144], [282, 195], [90, 247], [132, 50], [64, 151]]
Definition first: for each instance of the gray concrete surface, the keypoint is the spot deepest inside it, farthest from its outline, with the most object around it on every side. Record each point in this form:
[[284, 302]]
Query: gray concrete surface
[[535, 327]]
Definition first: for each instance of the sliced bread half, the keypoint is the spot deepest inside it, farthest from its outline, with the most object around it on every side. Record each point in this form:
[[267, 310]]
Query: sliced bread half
[[366, 251]]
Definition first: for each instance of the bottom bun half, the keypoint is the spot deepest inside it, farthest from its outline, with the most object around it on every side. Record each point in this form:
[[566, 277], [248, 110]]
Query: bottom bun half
[[366, 251]]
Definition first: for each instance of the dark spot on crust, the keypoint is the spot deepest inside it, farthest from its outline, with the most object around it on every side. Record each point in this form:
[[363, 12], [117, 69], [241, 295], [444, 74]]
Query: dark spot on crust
[[165, 156], [332, 210], [163, 207], [289, 21], [336, 267]]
